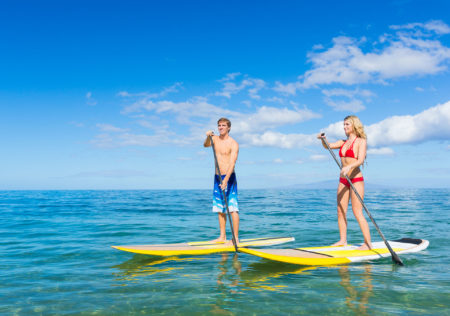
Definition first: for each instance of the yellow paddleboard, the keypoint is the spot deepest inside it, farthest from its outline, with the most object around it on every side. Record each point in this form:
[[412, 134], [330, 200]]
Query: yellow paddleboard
[[201, 247], [331, 255]]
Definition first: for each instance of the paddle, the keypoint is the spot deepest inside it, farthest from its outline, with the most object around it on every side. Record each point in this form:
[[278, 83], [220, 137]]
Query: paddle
[[395, 257], [224, 195]]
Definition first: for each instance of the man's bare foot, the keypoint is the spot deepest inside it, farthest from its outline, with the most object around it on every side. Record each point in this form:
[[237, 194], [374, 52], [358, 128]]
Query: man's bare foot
[[340, 243], [219, 240], [364, 246], [230, 243]]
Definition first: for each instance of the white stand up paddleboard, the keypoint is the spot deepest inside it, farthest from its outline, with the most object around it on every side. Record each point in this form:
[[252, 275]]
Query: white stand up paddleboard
[[331, 255], [201, 247]]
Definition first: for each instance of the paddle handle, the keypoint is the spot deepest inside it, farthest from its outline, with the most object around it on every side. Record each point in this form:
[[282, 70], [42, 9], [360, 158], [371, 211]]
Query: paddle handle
[[233, 237], [394, 255]]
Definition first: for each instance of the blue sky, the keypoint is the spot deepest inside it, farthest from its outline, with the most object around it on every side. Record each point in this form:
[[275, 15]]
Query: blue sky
[[118, 95]]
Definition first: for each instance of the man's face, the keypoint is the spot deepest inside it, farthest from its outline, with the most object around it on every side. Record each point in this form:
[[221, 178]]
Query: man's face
[[223, 128]]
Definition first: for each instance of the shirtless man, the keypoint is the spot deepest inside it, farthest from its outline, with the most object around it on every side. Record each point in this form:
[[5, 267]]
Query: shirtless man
[[227, 150]]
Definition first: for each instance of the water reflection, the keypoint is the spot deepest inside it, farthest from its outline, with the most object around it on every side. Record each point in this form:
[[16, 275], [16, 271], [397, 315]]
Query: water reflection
[[227, 280], [233, 277], [357, 298], [138, 267]]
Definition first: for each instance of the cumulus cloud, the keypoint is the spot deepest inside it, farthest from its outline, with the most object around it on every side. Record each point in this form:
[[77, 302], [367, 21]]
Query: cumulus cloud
[[270, 117], [280, 140], [230, 87], [195, 107], [407, 52], [434, 26], [431, 124], [347, 100], [287, 89], [197, 113]]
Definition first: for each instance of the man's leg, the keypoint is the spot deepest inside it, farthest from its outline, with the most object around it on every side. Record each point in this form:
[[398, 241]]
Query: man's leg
[[222, 227]]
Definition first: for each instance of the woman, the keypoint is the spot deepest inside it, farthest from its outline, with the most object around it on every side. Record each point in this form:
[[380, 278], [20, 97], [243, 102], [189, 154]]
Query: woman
[[352, 152]]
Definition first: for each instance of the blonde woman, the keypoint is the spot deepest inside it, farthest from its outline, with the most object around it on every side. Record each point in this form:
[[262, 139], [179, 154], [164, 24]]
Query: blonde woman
[[353, 153]]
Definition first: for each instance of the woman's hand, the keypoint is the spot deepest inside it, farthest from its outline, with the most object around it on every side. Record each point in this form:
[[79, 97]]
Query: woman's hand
[[345, 170]]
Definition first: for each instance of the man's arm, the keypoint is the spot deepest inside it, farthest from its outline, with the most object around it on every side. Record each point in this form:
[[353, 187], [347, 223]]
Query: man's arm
[[207, 142]]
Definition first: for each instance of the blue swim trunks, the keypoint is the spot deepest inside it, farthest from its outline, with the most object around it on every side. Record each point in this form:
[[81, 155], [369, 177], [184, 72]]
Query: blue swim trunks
[[231, 193]]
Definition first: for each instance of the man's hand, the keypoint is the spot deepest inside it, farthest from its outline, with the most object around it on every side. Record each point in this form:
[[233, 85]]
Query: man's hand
[[209, 133], [223, 185]]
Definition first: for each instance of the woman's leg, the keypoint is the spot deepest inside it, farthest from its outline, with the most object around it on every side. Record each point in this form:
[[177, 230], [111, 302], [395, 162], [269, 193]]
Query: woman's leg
[[358, 212], [343, 196]]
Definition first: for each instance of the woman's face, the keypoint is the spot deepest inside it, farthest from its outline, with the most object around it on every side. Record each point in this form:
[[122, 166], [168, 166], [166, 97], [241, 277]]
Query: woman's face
[[348, 127]]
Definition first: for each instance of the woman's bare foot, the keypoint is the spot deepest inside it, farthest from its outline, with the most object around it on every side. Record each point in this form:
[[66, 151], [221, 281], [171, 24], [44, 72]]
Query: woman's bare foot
[[340, 243], [365, 246], [219, 240]]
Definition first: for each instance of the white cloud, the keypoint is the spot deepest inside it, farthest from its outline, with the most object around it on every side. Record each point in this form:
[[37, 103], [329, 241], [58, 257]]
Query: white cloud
[[195, 107], [347, 100], [348, 93], [276, 100], [287, 89], [383, 151], [353, 106], [334, 131], [230, 88], [278, 160], [431, 124], [230, 76], [405, 53], [172, 89], [110, 128], [276, 139], [270, 117], [435, 26], [257, 84]]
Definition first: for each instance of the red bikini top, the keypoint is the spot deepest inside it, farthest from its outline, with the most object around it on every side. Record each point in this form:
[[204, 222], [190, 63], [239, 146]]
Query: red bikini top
[[349, 153]]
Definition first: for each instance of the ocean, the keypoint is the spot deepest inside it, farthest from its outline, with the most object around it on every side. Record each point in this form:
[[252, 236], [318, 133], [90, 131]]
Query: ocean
[[56, 255]]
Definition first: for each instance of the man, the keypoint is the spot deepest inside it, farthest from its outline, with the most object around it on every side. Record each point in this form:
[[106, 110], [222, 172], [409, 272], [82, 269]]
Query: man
[[227, 150]]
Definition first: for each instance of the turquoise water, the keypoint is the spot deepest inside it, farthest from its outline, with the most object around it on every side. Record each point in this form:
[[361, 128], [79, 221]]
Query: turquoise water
[[56, 256]]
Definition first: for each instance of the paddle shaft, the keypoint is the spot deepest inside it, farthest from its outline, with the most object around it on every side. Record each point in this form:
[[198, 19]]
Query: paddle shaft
[[224, 195], [395, 257]]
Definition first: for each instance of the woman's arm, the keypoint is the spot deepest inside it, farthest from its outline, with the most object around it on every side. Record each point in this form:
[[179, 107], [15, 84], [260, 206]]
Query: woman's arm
[[334, 145]]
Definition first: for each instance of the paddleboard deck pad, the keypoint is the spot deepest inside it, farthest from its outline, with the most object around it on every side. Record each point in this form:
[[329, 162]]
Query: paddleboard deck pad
[[332, 255], [201, 247]]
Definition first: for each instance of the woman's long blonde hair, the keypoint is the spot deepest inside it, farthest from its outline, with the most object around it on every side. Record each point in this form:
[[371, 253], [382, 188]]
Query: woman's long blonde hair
[[358, 127]]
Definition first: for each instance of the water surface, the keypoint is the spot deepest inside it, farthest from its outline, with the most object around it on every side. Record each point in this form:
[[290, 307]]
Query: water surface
[[56, 255]]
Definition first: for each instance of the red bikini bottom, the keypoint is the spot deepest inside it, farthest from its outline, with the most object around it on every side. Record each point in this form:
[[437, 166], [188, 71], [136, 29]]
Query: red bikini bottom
[[354, 180]]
